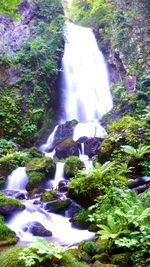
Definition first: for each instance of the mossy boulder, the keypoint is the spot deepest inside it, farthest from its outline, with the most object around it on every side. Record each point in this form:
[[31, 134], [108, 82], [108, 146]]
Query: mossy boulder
[[126, 130], [121, 260], [48, 196], [35, 179], [79, 220], [72, 165], [66, 148], [10, 162], [8, 205], [65, 130], [45, 165], [33, 152], [11, 258], [7, 236], [58, 206]]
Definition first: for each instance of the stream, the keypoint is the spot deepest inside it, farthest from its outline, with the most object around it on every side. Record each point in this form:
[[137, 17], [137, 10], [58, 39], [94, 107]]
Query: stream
[[85, 97]]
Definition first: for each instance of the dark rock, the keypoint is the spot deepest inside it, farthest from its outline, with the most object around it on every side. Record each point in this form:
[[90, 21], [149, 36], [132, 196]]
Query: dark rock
[[91, 146], [65, 130], [58, 206], [62, 186], [9, 209], [66, 148], [73, 209], [129, 84], [37, 229]]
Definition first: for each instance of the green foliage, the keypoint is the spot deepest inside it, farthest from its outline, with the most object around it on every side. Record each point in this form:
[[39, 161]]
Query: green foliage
[[7, 236], [90, 248], [136, 153], [10, 258], [48, 196], [127, 221], [72, 165], [88, 184], [32, 98], [35, 179], [41, 252], [11, 161], [69, 260], [9, 8], [44, 164], [10, 201]]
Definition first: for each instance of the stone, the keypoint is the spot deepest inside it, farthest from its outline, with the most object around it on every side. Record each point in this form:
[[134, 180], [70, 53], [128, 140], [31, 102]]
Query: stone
[[37, 229], [66, 148], [57, 206], [91, 146]]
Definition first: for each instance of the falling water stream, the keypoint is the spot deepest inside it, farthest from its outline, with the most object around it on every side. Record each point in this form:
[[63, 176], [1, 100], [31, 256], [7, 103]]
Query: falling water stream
[[85, 97]]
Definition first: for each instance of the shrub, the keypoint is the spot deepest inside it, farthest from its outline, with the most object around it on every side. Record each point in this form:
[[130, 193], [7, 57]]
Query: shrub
[[10, 258], [7, 236]]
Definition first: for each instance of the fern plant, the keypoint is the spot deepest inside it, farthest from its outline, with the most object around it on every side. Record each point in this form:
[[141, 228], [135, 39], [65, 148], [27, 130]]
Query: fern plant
[[41, 251], [136, 153]]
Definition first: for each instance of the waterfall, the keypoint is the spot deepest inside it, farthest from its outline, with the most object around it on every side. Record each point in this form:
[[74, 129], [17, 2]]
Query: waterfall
[[17, 180], [59, 174], [85, 92], [85, 89]]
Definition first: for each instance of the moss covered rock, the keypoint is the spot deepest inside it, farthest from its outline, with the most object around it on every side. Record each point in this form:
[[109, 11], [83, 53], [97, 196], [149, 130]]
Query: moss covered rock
[[35, 179], [11, 258], [48, 196], [45, 165], [7, 236], [121, 260], [72, 165], [126, 130], [66, 148], [8, 205], [58, 206], [10, 162]]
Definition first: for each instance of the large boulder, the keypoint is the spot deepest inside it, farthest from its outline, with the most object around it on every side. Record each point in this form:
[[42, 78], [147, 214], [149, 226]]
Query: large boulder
[[45, 165], [66, 148], [37, 229], [65, 130], [91, 145], [8, 205], [72, 165], [58, 206]]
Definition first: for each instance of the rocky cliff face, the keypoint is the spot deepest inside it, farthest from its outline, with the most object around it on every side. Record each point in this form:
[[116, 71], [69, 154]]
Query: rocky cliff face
[[129, 51], [30, 54]]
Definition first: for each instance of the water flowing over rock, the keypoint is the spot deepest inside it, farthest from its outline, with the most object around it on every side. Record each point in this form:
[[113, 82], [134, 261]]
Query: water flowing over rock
[[86, 94]]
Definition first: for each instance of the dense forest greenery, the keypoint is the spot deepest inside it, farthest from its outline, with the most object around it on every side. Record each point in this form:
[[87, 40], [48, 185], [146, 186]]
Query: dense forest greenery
[[114, 193]]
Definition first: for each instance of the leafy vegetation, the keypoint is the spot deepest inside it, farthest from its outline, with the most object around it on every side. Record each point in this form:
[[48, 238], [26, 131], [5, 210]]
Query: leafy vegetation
[[32, 98], [9, 8], [7, 236]]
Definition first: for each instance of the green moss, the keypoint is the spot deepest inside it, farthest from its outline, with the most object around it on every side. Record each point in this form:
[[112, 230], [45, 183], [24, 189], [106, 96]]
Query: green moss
[[10, 201], [48, 196], [7, 236], [69, 261], [44, 165], [121, 260], [11, 161], [126, 130], [72, 165], [80, 219], [35, 179], [10, 258]]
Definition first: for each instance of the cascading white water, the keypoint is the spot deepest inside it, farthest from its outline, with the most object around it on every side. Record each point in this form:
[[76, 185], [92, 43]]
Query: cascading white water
[[86, 97], [86, 94], [60, 226], [59, 175], [17, 180]]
